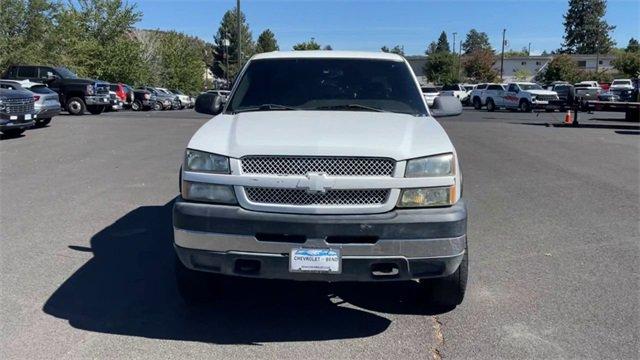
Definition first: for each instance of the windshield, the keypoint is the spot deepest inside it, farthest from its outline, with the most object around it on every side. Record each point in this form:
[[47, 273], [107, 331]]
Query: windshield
[[621, 82], [66, 73], [530, 87], [178, 92], [327, 84], [41, 89]]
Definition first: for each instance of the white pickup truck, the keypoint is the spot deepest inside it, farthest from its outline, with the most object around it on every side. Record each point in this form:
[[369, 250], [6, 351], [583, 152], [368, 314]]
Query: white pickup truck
[[456, 90], [322, 166], [523, 96]]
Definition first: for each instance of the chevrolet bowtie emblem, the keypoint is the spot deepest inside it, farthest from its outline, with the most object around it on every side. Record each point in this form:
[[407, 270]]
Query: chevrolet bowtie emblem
[[315, 183]]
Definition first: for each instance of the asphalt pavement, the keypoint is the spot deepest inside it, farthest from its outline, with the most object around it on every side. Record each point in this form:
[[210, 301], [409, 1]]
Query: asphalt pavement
[[86, 266]]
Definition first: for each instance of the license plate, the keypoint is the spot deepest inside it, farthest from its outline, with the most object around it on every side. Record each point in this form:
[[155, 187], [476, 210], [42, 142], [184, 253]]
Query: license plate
[[315, 261], [27, 116]]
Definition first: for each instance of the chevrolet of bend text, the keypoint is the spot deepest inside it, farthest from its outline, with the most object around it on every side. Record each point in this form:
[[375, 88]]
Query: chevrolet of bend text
[[322, 166]]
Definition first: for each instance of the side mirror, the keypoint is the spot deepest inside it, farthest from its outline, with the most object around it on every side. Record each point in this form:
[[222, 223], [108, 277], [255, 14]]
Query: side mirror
[[446, 106], [208, 103], [51, 78]]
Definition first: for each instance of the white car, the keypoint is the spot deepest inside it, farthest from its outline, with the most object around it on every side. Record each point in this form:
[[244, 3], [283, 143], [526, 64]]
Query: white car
[[621, 84], [186, 101], [430, 93], [589, 84], [298, 179]]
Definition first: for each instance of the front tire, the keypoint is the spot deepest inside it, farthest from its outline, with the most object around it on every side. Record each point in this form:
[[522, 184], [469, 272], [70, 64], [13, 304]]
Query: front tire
[[477, 104], [136, 105], [157, 106], [491, 106], [448, 291], [76, 106], [13, 132], [42, 122], [525, 106]]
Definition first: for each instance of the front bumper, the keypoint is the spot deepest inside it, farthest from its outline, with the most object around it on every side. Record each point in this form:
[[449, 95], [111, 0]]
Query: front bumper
[[8, 121], [97, 100], [46, 112], [415, 243]]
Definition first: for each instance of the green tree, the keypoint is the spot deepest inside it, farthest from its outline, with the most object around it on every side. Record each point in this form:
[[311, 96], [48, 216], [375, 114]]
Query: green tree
[[514, 53], [182, 63], [633, 46], [229, 30], [522, 75], [478, 65], [441, 68], [475, 41], [561, 68], [398, 49], [586, 31], [432, 48], [628, 63], [307, 45], [266, 42], [25, 31], [443, 44]]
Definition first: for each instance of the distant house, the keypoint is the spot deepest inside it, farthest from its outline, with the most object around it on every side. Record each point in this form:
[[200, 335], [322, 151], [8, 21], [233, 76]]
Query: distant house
[[530, 64]]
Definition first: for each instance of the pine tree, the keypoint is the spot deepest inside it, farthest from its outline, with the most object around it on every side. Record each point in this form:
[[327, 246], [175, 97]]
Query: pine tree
[[267, 42], [398, 49], [229, 30], [586, 31], [443, 43], [633, 46], [476, 41], [307, 45]]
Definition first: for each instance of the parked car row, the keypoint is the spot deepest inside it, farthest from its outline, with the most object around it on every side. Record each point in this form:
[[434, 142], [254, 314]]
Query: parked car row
[[78, 96]]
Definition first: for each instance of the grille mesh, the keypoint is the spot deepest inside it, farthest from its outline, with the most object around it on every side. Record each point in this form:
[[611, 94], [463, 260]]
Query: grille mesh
[[546, 97], [19, 106], [333, 166], [331, 197]]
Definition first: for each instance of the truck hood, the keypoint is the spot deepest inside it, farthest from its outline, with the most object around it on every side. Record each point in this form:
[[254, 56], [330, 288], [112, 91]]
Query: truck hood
[[542, 92], [322, 133]]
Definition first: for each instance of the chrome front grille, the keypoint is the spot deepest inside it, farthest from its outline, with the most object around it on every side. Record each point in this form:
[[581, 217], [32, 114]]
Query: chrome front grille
[[299, 197], [332, 166], [546, 97], [102, 89], [19, 106]]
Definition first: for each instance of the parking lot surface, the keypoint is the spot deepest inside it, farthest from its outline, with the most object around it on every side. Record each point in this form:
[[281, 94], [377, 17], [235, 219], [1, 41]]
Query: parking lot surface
[[86, 252]]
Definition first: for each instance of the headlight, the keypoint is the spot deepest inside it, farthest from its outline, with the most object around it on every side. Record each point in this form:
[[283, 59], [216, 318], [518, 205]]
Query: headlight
[[206, 162], [439, 165], [90, 89], [425, 197], [221, 194]]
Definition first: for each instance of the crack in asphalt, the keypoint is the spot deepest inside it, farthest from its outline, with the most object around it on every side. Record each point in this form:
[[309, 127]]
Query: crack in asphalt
[[436, 352]]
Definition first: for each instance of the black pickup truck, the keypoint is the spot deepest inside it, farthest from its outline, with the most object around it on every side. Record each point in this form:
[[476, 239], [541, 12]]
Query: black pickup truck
[[77, 95]]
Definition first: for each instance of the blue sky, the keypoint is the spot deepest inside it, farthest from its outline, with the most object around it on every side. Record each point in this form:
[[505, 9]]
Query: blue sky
[[367, 25]]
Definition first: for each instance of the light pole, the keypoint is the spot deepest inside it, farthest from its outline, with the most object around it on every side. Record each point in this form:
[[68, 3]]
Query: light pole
[[454, 49], [504, 31], [226, 43], [529, 51], [239, 37]]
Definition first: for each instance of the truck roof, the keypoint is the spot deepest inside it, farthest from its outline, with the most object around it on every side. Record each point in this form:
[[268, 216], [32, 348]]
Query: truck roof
[[328, 54]]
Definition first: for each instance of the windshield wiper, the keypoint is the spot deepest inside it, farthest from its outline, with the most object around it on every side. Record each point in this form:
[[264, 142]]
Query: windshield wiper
[[266, 107], [349, 106]]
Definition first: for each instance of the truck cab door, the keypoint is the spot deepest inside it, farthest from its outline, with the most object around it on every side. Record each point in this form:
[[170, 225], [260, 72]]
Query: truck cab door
[[511, 98], [50, 77]]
